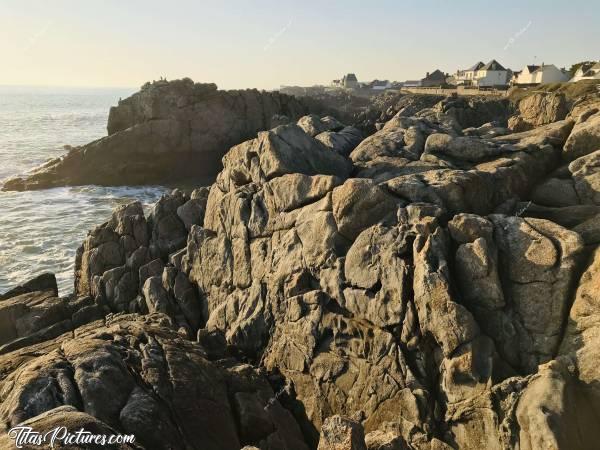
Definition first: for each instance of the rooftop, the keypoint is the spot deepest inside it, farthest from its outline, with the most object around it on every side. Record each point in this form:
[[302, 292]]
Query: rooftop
[[476, 67], [493, 65]]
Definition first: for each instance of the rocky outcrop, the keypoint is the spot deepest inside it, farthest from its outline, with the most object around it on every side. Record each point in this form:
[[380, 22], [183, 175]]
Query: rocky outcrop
[[350, 294], [467, 111], [137, 376], [574, 186], [338, 433], [34, 313], [166, 132], [429, 287], [538, 109], [44, 282], [585, 137], [472, 111], [130, 263]]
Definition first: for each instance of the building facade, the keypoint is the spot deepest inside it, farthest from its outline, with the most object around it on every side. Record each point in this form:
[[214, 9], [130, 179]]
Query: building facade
[[434, 79], [467, 77], [546, 73], [587, 72], [492, 74]]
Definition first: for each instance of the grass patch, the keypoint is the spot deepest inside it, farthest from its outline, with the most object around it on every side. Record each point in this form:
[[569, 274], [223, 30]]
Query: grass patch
[[571, 91]]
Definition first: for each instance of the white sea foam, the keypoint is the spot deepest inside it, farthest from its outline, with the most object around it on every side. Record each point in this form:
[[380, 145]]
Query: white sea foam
[[41, 230]]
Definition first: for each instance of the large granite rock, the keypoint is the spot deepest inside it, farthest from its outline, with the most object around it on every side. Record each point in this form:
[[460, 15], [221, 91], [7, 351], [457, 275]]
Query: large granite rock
[[34, 313], [129, 264], [584, 139], [347, 287], [339, 433], [540, 108], [402, 293], [137, 376], [166, 132], [470, 111], [43, 282]]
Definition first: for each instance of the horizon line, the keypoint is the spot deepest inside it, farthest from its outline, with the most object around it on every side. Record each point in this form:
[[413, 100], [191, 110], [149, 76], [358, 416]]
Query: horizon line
[[62, 86]]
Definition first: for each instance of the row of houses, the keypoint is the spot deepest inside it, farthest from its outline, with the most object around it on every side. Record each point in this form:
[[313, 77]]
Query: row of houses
[[349, 81], [480, 75], [495, 75]]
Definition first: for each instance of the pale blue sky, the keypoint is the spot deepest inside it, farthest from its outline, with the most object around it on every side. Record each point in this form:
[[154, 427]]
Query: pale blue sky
[[264, 44]]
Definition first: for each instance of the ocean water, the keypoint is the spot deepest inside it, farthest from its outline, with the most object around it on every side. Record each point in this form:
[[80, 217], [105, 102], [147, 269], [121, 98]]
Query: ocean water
[[41, 230]]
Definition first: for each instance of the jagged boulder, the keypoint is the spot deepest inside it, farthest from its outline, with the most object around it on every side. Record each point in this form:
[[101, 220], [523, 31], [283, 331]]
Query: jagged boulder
[[126, 264], [472, 111], [461, 148], [43, 282], [584, 139], [516, 276], [339, 433], [33, 313], [585, 172], [540, 108], [314, 125], [343, 141], [136, 375]]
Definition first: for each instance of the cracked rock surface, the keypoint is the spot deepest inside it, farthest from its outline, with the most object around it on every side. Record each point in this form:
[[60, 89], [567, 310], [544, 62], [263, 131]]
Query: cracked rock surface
[[427, 287]]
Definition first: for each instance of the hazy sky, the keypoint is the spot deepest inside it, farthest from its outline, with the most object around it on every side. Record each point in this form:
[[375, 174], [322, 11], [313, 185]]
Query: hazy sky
[[264, 44]]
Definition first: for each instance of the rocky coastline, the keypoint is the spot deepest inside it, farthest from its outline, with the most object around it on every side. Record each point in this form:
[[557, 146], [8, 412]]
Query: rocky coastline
[[424, 277], [168, 132]]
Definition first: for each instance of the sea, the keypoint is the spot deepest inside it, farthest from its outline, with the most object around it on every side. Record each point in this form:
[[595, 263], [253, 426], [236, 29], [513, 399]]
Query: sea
[[40, 231]]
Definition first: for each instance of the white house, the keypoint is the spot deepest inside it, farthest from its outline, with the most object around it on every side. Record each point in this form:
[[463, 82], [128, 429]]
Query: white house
[[587, 72], [483, 75], [525, 76], [546, 73], [492, 74], [466, 77]]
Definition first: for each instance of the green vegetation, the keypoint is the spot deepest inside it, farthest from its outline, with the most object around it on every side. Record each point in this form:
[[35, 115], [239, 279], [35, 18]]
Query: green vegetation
[[570, 90], [576, 66]]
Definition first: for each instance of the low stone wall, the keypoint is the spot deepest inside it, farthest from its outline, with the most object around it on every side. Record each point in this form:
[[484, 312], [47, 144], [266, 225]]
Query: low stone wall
[[457, 91]]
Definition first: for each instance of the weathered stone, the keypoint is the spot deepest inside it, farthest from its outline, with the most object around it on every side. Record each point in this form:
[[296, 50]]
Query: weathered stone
[[461, 148], [136, 375], [358, 204], [581, 341], [168, 230], [338, 433], [283, 150], [589, 230], [466, 228], [584, 139], [157, 298], [378, 292], [192, 212], [555, 192], [586, 178], [343, 141], [567, 216], [538, 109], [538, 260], [43, 282], [314, 125]]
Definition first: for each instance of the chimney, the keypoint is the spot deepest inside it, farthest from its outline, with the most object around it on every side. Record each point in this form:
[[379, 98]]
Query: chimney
[[427, 74]]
